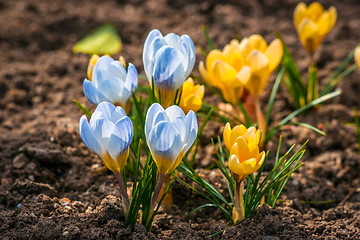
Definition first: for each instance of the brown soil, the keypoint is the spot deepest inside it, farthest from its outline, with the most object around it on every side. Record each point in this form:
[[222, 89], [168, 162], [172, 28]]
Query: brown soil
[[43, 161]]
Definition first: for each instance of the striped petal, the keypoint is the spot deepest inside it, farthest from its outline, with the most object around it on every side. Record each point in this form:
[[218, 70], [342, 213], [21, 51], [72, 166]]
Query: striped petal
[[168, 69], [87, 135]]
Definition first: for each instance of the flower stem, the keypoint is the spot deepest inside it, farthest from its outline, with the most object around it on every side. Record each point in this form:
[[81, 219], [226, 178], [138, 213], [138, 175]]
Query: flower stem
[[158, 186], [239, 202], [260, 119], [124, 195]]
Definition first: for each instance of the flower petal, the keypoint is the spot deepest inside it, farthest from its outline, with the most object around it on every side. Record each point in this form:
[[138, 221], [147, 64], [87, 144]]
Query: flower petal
[[103, 110], [188, 50], [131, 82], [274, 54], [299, 13], [192, 128], [327, 21], [87, 135], [92, 94], [257, 42], [173, 40], [111, 88], [151, 115], [121, 137], [100, 69], [168, 69], [165, 145]]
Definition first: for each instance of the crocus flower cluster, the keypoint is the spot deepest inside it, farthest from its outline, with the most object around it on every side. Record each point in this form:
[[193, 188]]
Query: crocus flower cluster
[[109, 81], [313, 23], [168, 61], [246, 64]]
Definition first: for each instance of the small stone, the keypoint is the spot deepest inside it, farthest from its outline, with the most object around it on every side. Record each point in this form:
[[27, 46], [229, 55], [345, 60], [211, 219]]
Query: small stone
[[20, 161], [66, 233]]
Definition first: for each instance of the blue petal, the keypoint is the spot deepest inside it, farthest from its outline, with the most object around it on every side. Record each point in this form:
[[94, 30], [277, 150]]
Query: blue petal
[[131, 82], [103, 110], [192, 128], [100, 69], [188, 50], [168, 69], [151, 115], [87, 135], [92, 94], [173, 40], [154, 41], [119, 113], [112, 88], [121, 137], [164, 141]]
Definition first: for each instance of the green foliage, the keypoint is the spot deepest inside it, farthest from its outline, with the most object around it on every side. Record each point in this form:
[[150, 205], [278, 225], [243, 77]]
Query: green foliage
[[270, 187], [103, 40], [305, 93]]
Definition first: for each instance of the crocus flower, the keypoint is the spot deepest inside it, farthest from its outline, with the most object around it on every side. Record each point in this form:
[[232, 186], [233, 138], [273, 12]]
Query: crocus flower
[[169, 134], [110, 82], [251, 135], [108, 135], [245, 158], [357, 56], [313, 23], [191, 96], [168, 61]]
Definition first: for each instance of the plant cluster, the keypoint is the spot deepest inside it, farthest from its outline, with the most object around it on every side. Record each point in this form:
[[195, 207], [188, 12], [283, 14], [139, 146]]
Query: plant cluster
[[159, 126]]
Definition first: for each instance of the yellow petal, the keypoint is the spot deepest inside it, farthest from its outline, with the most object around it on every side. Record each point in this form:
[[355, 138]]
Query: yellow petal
[[257, 42], [200, 91], [257, 61], [274, 54], [237, 131], [357, 56], [309, 35], [234, 164], [92, 63], [260, 160], [248, 166], [299, 13], [250, 137], [204, 73], [244, 75], [192, 102], [213, 56], [224, 72], [253, 150], [240, 147], [327, 21], [314, 11]]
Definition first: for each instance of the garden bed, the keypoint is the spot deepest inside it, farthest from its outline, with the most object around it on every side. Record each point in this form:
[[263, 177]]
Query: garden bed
[[53, 187]]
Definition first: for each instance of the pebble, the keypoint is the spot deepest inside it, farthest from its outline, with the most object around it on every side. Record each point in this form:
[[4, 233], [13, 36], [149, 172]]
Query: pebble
[[20, 160], [19, 205], [65, 233]]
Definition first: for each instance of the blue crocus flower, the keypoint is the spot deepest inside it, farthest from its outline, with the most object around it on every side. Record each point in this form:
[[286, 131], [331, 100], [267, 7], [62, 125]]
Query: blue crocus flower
[[108, 134], [168, 61], [111, 83], [169, 134]]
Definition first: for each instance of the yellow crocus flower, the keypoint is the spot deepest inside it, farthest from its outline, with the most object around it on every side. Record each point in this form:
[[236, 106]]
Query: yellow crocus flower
[[224, 69], [191, 96], [261, 60], [250, 134], [313, 23], [245, 158], [357, 56]]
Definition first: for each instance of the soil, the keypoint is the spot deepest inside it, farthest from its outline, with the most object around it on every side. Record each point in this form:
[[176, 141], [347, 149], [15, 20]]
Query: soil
[[53, 187]]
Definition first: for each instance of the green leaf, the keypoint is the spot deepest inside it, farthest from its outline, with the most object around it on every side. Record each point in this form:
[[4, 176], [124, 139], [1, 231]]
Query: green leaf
[[84, 109], [208, 39], [103, 40]]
